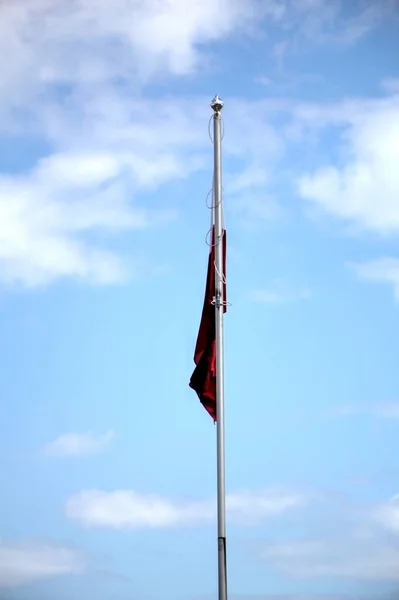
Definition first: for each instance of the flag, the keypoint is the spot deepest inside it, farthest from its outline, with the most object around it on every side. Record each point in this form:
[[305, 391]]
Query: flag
[[203, 379]]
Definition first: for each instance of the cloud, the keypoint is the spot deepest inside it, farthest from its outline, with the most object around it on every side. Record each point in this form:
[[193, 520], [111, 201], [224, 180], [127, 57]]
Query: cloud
[[111, 42], [55, 47], [362, 187], [381, 270], [130, 509], [279, 50], [309, 596], [387, 410], [74, 84], [128, 39], [50, 43], [253, 507], [359, 187], [24, 563], [391, 85], [388, 514], [321, 22], [78, 444], [358, 25], [276, 297], [281, 292], [65, 198], [353, 558], [263, 80], [380, 410], [111, 154], [364, 548], [125, 508]]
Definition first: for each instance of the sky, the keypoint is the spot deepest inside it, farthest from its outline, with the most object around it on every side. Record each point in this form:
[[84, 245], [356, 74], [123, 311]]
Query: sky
[[107, 457]]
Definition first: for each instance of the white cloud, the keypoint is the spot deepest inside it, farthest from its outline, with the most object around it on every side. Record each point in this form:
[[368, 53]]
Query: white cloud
[[130, 509], [78, 444], [74, 80], [252, 507], [125, 508], [279, 51], [362, 187], [24, 563], [353, 557], [49, 42], [66, 197], [388, 514], [365, 548], [381, 270], [253, 209], [380, 410], [279, 293], [322, 22], [386, 410], [262, 80], [391, 84], [112, 150], [278, 297], [96, 44], [309, 596]]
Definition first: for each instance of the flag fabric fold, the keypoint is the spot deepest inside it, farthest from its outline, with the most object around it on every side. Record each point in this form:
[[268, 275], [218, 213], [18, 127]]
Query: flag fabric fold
[[203, 379]]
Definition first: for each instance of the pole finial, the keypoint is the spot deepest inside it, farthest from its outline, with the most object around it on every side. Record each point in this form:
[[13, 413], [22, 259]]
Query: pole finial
[[217, 104]]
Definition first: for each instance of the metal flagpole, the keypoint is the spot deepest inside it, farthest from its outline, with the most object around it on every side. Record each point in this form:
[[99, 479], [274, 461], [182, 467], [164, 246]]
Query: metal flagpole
[[217, 106]]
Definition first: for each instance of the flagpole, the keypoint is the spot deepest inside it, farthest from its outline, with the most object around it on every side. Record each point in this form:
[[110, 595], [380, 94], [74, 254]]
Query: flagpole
[[217, 106]]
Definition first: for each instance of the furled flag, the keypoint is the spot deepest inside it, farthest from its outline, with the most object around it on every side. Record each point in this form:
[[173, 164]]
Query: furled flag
[[203, 379]]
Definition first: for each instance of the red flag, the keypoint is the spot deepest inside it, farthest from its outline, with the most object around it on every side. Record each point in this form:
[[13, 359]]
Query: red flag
[[203, 379]]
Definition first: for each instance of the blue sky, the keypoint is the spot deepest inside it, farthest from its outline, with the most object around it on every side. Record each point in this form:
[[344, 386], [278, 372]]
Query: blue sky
[[107, 457]]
